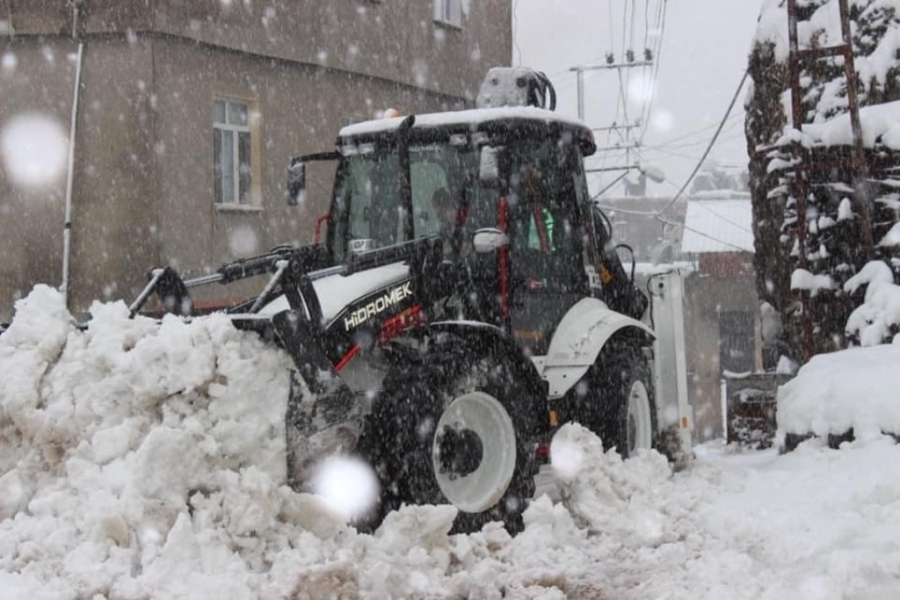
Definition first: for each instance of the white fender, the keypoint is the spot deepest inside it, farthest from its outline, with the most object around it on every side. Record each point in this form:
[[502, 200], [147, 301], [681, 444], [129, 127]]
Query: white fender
[[578, 340]]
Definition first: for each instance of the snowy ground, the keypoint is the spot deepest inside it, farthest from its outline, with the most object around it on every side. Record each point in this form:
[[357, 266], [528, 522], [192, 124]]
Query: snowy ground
[[145, 461]]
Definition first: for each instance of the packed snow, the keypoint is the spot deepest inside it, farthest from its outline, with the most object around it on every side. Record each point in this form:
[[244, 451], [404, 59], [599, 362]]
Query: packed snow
[[145, 460], [837, 392]]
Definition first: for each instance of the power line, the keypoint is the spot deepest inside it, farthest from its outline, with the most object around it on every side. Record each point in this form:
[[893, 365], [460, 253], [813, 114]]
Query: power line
[[723, 218], [661, 18], [712, 142], [670, 222], [689, 157], [515, 29], [671, 141], [700, 233], [646, 21]]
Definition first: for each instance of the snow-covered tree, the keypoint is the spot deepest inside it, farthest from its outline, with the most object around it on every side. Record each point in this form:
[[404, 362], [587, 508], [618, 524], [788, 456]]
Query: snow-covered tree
[[833, 248]]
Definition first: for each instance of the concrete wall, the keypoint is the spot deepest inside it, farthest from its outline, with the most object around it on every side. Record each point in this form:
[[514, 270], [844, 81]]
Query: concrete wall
[[144, 182], [398, 41], [706, 296], [36, 82], [300, 108]]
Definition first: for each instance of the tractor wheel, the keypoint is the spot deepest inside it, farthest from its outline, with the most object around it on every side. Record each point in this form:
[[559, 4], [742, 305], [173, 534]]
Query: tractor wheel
[[459, 432], [626, 418]]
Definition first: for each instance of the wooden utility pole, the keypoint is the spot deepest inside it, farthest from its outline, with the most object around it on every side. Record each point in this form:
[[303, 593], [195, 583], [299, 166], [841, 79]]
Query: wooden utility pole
[[860, 168], [801, 156]]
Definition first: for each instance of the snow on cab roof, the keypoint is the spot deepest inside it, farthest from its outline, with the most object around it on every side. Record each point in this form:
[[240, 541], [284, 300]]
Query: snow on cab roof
[[472, 117]]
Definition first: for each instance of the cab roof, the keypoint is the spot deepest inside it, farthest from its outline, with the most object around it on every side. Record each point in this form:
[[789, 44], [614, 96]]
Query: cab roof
[[488, 120]]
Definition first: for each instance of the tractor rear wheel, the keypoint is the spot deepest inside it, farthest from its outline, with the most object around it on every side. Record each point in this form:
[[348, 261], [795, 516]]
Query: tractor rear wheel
[[626, 418], [461, 432]]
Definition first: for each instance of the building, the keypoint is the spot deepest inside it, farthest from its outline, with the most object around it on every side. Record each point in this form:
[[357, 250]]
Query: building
[[187, 116], [708, 235], [722, 309]]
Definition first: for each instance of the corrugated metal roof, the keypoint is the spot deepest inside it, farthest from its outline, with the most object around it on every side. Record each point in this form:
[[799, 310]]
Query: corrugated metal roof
[[718, 226]]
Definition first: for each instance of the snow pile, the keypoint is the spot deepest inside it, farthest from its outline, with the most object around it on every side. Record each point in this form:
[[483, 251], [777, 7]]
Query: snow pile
[[116, 439], [606, 495], [146, 460], [140, 461], [877, 320], [834, 393]]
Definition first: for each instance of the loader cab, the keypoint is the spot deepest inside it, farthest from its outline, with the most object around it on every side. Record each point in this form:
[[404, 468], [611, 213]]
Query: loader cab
[[503, 169]]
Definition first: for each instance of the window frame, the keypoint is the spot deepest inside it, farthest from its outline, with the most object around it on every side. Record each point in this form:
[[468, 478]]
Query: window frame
[[252, 199], [444, 12]]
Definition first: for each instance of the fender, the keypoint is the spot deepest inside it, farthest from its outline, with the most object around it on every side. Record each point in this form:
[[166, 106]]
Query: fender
[[578, 340], [482, 336]]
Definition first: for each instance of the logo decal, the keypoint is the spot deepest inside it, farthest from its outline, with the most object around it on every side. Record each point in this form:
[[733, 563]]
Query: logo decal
[[361, 315]]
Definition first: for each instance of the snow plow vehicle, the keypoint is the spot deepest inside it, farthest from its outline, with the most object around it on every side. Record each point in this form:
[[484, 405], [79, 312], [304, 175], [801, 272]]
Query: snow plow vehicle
[[465, 301]]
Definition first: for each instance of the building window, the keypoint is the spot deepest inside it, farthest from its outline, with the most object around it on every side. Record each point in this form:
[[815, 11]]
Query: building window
[[448, 12], [233, 152]]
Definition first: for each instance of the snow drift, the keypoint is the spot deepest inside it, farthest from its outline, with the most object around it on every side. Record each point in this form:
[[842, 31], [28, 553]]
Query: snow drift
[[144, 460]]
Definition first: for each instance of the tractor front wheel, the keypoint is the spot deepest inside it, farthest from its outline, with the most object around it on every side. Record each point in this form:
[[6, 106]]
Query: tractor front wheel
[[459, 432]]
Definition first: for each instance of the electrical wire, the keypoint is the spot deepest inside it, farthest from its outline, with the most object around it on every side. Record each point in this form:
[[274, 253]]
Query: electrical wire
[[730, 130], [657, 59], [515, 30], [669, 222], [723, 218], [614, 182], [646, 21], [712, 143], [700, 233], [695, 132], [690, 157], [612, 33], [633, 4]]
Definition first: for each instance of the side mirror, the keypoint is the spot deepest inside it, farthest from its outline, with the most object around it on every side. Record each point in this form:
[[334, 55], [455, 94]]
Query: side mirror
[[296, 184], [489, 239], [489, 165]]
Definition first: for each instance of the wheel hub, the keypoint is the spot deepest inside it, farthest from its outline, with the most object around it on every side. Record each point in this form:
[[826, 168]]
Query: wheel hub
[[639, 426], [474, 451], [461, 451]]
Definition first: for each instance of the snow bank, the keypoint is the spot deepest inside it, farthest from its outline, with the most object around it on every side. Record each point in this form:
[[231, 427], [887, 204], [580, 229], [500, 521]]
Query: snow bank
[[141, 461], [144, 460], [833, 393]]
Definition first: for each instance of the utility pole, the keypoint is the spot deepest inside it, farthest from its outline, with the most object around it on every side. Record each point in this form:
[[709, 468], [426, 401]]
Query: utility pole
[[628, 146], [860, 168], [801, 156]]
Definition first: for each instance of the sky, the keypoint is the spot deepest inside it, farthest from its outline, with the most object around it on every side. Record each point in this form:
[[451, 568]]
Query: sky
[[705, 44]]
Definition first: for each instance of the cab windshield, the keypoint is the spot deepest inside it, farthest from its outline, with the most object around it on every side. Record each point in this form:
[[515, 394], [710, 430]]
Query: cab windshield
[[445, 184]]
